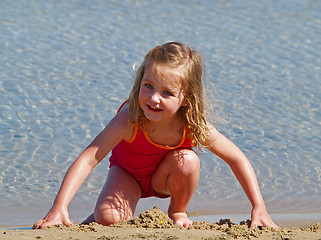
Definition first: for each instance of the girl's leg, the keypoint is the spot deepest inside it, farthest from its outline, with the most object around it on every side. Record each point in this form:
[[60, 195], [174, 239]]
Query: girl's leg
[[118, 198], [178, 175]]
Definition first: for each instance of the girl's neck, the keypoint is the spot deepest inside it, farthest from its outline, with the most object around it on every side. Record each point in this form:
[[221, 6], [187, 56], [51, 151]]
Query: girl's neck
[[167, 133], [173, 123]]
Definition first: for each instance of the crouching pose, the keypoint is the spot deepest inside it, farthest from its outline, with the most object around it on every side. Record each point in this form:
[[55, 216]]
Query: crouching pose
[[151, 139]]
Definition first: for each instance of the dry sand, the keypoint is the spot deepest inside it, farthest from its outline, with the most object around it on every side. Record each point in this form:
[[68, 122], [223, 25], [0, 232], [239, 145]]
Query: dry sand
[[155, 224]]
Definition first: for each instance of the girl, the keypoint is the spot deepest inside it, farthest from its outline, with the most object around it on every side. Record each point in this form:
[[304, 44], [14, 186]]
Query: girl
[[151, 140]]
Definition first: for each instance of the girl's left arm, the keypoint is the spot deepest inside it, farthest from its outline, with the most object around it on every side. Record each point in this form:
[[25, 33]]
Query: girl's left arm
[[244, 172]]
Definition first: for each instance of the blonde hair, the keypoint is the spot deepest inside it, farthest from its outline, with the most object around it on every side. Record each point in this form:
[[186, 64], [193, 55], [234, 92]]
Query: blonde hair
[[175, 54]]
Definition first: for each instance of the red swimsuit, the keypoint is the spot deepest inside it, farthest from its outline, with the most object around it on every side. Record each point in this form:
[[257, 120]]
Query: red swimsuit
[[140, 157]]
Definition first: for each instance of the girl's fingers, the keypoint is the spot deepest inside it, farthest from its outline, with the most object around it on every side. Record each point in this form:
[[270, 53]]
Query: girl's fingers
[[46, 224], [263, 224], [68, 223], [37, 224], [42, 223]]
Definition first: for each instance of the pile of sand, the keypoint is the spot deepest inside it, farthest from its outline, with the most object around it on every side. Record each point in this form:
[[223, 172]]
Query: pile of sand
[[154, 218]]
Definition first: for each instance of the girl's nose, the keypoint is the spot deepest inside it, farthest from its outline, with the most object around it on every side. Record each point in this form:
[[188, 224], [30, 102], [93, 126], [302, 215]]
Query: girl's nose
[[155, 97]]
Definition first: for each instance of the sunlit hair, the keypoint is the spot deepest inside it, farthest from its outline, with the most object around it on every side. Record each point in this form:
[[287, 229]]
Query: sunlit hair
[[175, 54]]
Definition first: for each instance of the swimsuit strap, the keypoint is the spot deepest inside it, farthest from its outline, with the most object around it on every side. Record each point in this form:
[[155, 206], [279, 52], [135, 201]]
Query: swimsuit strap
[[136, 124], [134, 133], [121, 106], [143, 127], [162, 146]]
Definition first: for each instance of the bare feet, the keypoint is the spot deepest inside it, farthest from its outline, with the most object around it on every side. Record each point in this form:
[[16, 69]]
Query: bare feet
[[181, 218]]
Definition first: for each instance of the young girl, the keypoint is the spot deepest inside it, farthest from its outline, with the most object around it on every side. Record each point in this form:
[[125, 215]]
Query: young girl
[[151, 140]]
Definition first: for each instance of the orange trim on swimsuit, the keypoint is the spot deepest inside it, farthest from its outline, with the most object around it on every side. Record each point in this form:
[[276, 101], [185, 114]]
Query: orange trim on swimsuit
[[136, 124], [156, 144], [147, 137], [134, 133], [121, 106], [162, 146]]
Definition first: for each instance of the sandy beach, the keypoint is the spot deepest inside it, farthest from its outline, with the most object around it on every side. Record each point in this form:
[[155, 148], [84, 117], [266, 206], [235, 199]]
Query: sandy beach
[[67, 66], [155, 224]]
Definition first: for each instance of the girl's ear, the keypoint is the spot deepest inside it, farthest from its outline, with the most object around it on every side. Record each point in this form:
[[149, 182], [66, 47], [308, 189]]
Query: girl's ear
[[185, 103]]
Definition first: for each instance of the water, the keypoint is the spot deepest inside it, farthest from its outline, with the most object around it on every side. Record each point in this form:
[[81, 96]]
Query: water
[[66, 66]]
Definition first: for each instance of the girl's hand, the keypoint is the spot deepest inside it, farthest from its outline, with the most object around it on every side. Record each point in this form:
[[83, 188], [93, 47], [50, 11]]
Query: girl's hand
[[260, 217], [54, 217]]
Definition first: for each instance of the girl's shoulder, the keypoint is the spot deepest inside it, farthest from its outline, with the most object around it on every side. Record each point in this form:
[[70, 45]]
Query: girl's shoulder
[[212, 132], [121, 122]]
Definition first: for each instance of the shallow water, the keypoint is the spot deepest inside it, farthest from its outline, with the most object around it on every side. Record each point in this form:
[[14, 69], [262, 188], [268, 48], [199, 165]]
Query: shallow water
[[66, 66]]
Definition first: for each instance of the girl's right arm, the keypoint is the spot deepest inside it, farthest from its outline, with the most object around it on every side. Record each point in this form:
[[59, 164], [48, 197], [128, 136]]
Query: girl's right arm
[[118, 128]]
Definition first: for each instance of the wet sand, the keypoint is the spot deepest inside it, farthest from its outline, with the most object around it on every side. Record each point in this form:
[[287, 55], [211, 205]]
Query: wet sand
[[155, 224]]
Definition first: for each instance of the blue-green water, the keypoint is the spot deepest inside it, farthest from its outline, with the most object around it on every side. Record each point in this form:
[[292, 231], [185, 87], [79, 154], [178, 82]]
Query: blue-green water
[[66, 66]]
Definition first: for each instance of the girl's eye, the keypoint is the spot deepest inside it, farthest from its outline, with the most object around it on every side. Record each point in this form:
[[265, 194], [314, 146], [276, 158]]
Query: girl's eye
[[167, 93], [149, 86]]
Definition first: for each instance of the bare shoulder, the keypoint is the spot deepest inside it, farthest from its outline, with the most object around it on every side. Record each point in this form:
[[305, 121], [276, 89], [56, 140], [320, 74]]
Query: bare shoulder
[[120, 122], [215, 139], [213, 132]]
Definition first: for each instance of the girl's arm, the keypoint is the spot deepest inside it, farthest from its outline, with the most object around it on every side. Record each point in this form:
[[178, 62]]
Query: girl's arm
[[243, 171], [117, 129]]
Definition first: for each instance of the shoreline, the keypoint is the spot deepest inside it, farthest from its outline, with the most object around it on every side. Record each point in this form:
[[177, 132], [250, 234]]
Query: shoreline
[[281, 219], [155, 224]]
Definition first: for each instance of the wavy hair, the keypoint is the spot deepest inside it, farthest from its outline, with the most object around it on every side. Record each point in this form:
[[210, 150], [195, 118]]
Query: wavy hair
[[175, 54]]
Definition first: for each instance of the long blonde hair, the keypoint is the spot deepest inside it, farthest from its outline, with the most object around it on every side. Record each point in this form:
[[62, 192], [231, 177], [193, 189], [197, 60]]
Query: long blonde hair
[[175, 54]]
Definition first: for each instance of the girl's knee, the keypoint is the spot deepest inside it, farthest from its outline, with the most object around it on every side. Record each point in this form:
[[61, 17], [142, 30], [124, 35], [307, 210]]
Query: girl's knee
[[111, 215], [118, 198], [179, 169], [106, 217], [185, 161]]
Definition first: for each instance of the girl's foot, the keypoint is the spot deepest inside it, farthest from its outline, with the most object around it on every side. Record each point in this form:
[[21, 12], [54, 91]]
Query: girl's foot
[[181, 218]]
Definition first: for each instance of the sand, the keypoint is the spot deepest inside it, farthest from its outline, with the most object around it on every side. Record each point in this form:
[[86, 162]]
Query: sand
[[155, 224]]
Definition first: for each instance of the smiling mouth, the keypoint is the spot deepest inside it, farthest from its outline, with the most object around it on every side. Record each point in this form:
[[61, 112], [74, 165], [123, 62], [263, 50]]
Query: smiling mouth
[[155, 109]]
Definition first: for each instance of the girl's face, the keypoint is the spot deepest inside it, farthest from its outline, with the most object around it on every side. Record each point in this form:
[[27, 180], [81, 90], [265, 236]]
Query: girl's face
[[161, 93]]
